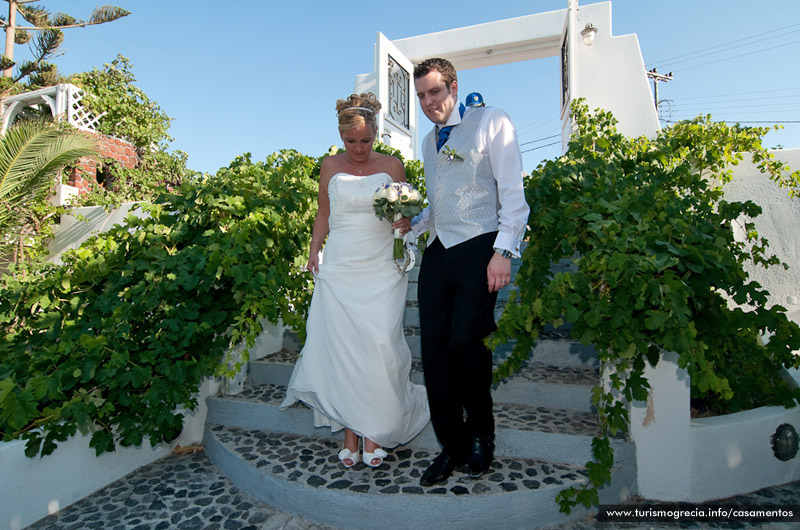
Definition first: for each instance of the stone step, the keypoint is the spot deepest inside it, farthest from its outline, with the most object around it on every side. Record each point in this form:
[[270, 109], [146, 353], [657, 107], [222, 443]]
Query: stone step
[[537, 383], [550, 433], [301, 474], [514, 416], [553, 346]]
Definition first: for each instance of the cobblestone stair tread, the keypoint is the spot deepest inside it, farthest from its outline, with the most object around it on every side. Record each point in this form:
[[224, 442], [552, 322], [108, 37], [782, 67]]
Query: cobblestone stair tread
[[533, 370], [312, 461], [507, 415], [280, 458], [557, 386], [301, 474]]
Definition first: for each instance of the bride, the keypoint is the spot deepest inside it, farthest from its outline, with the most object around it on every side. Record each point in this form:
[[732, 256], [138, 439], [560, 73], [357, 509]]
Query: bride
[[354, 367]]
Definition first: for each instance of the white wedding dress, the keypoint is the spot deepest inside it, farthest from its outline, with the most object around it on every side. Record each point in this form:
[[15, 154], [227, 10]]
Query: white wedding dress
[[354, 367]]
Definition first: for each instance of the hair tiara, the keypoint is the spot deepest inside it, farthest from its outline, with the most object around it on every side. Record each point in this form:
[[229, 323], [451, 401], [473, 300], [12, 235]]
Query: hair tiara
[[356, 108]]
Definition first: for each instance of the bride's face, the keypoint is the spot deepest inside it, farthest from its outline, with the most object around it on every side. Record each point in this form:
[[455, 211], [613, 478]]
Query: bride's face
[[358, 142]]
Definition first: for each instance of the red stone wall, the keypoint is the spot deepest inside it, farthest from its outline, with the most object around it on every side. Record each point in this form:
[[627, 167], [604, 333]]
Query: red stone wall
[[85, 172]]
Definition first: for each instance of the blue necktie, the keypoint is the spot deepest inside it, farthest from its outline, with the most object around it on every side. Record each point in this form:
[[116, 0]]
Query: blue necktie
[[443, 135], [444, 132]]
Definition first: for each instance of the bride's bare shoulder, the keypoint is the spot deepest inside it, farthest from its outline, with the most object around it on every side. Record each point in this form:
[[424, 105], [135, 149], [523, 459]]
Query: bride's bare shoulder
[[394, 167], [330, 166]]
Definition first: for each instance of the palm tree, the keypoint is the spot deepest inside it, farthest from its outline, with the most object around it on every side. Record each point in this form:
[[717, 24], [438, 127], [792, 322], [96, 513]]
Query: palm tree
[[31, 155]]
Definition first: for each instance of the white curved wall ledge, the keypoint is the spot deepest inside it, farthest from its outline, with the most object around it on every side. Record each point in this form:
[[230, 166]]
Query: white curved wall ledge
[[680, 458], [33, 488]]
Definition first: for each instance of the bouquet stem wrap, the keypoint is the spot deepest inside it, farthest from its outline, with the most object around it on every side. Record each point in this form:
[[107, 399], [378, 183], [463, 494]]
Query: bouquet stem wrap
[[398, 250], [392, 202]]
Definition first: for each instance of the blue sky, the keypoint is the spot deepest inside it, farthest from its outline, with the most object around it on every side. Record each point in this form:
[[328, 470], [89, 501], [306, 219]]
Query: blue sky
[[259, 76]]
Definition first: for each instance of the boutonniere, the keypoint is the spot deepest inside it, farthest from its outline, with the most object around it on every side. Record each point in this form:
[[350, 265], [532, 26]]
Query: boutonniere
[[452, 155]]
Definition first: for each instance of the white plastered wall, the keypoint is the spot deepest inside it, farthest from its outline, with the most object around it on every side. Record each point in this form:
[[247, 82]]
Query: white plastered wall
[[680, 458], [779, 223], [611, 74]]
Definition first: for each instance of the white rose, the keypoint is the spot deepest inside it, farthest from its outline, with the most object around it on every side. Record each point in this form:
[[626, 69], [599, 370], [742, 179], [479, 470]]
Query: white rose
[[414, 194], [391, 194], [380, 193]]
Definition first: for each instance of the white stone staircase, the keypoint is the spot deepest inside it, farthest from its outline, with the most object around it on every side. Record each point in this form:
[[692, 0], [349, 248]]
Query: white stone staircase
[[544, 426]]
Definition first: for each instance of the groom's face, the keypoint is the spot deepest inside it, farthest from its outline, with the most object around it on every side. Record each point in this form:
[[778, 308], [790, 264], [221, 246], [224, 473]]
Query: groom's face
[[436, 98]]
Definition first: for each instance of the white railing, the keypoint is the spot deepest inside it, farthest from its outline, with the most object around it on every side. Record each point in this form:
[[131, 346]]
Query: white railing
[[64, 101]]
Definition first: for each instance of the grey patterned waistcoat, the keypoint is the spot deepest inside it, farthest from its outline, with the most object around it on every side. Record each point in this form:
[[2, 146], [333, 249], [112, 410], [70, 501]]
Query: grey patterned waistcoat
[[462, 194]]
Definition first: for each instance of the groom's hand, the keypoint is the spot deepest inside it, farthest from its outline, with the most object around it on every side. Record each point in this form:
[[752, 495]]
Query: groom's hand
[[498, 272]]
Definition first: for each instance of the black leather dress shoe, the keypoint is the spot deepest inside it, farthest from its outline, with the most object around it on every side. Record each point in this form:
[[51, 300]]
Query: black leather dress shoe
[[440, 469], [481, 454]]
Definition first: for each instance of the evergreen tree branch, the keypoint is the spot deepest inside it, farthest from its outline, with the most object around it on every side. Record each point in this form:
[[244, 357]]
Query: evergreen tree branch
[[21, 36], [41, 19], [107, 13], [5, 62], [25, 69], [47, 43], [38, 16], [63, 19]]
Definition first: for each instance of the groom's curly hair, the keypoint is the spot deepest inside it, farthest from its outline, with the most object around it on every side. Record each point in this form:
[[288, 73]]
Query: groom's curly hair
[[437, 64]]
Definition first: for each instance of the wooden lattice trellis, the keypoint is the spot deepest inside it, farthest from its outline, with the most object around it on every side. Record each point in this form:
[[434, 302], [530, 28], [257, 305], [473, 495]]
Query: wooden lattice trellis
[[63, 100]]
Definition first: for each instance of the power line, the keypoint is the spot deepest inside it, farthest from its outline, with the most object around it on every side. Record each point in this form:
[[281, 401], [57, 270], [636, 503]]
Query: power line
[[541, 139], [743, 93], [737, 56], [657, 63], [672, 61], [790, 99], [681, 110], [540, 147], [539, 122], [737, 106]]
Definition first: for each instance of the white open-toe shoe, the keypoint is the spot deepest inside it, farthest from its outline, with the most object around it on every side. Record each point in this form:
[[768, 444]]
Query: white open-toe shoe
[[346, 455], [379, 455]]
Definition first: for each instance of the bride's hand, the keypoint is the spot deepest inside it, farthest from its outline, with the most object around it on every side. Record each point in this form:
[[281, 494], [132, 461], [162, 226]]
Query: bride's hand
[[313, 263], [404, 224]]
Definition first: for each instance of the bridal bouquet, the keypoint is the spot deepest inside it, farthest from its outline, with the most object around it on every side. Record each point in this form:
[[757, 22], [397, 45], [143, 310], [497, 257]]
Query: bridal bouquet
[[393, 201]]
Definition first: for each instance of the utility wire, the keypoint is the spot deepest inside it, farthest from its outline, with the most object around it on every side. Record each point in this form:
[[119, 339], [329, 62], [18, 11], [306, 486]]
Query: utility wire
[[712, 110], [735, 106], [740, 121], [790, 99], [540, 147], [670, 59], [535, 124], [744, 93], [699, 53], [541, 139], [737, 56]]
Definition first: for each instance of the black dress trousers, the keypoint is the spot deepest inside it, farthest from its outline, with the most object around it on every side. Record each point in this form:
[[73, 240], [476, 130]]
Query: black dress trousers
[[456, 313]]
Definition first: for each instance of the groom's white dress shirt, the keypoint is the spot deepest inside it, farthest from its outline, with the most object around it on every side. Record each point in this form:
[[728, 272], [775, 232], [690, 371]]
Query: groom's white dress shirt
[[484, 200]]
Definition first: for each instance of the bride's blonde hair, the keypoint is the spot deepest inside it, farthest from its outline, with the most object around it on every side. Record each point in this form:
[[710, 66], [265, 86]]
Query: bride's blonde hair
[[357, 110]]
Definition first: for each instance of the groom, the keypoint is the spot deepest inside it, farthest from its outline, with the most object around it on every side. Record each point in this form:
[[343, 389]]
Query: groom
[[476, 219]]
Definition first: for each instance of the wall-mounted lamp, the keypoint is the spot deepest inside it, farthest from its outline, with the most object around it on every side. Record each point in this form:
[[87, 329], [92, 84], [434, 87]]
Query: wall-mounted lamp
[[785, 442], [588, 34]]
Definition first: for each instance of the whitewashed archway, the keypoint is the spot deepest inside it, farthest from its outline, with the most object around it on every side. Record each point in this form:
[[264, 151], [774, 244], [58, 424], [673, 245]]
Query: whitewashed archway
[[609, 74]]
